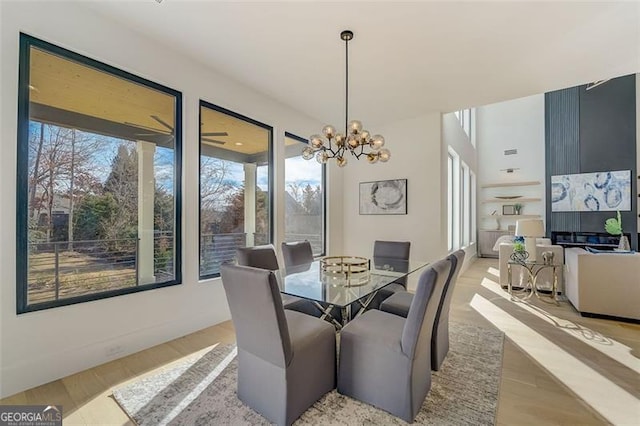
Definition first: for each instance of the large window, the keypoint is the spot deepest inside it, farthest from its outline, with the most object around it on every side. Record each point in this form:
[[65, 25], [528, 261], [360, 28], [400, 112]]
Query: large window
[[98, 180], [450, 196], [235, 186], [472, 203], [461, 202], [304, 196], [454, 186], [465, 204], [464, 117]]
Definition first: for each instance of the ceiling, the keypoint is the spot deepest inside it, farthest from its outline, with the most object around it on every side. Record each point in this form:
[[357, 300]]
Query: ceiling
[[406, 59], [73, 94], [66, 85]]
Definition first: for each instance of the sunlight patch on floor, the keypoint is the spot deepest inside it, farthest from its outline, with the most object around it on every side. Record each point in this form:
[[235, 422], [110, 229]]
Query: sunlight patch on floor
[[614, 403], [191, 396], [613, 349], [494, 271]]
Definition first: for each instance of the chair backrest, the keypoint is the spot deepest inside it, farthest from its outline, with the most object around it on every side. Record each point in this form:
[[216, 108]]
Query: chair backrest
[[263, 257], [296, 254], [418, 326], [456, 259], [392, 249], [257, 313]]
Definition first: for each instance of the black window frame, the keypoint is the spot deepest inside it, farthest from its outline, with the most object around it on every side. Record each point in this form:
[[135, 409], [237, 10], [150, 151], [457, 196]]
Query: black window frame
[[271, 173], [324, 192], [22, 306]]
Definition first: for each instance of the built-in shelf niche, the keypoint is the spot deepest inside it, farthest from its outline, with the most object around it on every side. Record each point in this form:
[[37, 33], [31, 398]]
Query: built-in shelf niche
[[514, 216], [505, 184], [510, 200]]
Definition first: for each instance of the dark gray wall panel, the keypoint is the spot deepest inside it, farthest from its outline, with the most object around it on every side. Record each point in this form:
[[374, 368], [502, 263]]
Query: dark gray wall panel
[[562, 150], [608, 142], [592, 131]]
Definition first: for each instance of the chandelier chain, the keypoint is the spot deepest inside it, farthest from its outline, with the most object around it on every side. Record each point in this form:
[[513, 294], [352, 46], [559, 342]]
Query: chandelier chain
[[346, 90]]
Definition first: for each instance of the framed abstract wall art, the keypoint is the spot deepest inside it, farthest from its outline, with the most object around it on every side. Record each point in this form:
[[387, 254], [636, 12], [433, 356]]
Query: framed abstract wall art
[[383, 197], [584, 192]]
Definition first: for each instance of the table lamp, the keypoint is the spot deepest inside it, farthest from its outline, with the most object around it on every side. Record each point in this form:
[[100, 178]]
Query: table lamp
[[530, 229]]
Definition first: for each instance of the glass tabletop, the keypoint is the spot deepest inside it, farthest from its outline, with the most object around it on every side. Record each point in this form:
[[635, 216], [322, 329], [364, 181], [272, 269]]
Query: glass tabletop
[[310, 282]]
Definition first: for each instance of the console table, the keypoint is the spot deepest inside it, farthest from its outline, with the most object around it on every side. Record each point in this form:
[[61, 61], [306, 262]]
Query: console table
[[599, 240], [533, 269]]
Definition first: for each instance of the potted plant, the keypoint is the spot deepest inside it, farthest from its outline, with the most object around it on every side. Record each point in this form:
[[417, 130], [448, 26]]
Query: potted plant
[[519, 253], [518, 247], [613, 226], [517, 208]]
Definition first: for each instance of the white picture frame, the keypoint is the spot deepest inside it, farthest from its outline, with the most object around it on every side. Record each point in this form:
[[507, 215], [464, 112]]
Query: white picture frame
[[383, 197]]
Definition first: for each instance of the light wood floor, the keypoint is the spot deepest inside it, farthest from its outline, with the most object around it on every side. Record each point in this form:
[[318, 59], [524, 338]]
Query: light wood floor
[[529, 395]]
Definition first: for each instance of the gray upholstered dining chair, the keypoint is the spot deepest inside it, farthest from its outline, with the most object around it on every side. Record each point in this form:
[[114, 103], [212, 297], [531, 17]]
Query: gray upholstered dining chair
[[296, 254], [390, 251], [286, 359], [400, 302], [385, 359], [264, 257]]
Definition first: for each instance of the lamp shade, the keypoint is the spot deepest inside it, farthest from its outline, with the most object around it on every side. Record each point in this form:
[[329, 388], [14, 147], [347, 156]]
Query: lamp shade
[[530, 228]]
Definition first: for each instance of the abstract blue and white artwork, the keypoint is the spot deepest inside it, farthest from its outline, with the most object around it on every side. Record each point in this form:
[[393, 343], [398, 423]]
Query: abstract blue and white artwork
[[585, 192]]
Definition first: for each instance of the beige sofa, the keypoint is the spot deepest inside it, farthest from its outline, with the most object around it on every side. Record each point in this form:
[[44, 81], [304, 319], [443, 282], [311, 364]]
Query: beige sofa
[[603, 283], [545, 278]]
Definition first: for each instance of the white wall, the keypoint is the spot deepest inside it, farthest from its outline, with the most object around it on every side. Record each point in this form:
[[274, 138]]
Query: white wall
[[42, 346], [415, 155], [454, 136], [516, 124]]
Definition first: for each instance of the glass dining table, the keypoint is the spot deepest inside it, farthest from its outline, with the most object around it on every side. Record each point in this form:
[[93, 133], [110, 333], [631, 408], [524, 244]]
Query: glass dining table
[[347, 293]]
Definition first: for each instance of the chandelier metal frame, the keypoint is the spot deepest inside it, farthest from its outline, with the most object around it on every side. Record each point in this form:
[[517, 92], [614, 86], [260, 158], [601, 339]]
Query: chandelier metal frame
[[354, 140]]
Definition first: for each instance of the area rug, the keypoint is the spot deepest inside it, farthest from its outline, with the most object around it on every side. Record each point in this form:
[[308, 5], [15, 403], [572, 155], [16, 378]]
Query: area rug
[[202, 390]]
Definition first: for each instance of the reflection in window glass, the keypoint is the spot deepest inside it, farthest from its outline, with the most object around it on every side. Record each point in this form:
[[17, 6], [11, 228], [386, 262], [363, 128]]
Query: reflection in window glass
[[98, 150], [304, 196], [235, 182]]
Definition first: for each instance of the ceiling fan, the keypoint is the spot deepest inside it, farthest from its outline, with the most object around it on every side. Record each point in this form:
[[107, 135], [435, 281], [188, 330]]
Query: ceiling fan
[[170, 131], [213, 134], [153, 131]]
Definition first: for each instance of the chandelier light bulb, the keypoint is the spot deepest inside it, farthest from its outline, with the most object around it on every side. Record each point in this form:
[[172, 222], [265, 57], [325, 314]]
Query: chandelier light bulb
[[329, 131], [322, 157], [377, 142], [316, 142], [355, 127], [355, 140], [384, 155], [308, 153]]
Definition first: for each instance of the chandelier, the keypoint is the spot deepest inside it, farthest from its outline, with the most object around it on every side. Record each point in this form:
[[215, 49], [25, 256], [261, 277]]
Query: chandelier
[[354, 140]]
